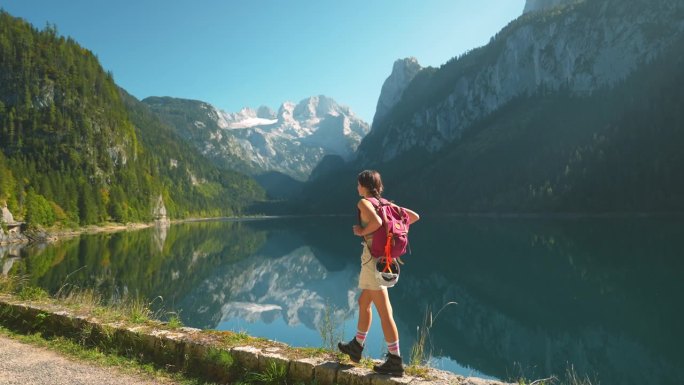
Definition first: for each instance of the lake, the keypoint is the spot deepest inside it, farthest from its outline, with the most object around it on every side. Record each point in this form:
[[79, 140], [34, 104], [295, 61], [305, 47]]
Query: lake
[[535, 296]]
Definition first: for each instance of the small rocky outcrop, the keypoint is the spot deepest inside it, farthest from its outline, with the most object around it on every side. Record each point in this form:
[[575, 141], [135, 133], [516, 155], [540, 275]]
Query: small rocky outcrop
[[10, 231], [403, 71], [540, 5], [159, 211]]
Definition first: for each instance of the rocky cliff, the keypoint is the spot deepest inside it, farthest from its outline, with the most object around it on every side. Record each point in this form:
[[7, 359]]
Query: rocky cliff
[[541, 5], [583, 47], [403, 71]]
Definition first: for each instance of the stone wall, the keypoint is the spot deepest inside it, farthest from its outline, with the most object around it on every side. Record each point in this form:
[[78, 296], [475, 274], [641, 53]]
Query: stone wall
[[207, 354]]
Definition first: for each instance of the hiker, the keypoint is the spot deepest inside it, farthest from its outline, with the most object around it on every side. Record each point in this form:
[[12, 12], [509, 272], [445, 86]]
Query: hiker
[[372, 288]]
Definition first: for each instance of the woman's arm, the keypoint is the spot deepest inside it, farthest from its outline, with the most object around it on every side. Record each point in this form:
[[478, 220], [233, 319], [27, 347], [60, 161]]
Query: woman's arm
[[369, 215], [413, 216]]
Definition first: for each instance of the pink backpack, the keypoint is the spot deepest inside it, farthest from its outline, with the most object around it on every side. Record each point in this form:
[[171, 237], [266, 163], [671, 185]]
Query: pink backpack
[[390, 240]]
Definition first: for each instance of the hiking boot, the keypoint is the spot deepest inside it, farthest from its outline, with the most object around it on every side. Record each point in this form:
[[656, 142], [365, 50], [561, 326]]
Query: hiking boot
[[352, 348], [393, 366]]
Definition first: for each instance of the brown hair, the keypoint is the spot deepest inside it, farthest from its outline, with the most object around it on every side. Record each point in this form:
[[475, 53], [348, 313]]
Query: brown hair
[[371, 180]]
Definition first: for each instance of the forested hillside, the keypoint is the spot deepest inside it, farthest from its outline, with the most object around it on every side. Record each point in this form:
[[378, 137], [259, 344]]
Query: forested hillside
[[618, 150], [74, 150], [182, 115], [613, 147]]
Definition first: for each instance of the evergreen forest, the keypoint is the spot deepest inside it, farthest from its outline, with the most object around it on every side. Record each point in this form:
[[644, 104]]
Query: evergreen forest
[[76, 150], [617, 150]]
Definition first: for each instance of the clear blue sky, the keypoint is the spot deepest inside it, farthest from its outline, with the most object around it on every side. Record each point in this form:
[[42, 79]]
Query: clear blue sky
[[234, 53]]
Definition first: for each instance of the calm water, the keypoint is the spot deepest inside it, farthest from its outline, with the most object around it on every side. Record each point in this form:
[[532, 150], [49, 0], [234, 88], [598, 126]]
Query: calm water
[[534, 296]]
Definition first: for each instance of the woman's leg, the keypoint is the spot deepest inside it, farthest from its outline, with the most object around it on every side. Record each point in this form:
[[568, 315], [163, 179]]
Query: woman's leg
[[365, 313], [394, 365], [382, 302], [354, 348]]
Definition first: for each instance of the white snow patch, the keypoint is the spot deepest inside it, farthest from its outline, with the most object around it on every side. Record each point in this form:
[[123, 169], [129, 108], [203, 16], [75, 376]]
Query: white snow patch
[[251, 307], [250, 122]]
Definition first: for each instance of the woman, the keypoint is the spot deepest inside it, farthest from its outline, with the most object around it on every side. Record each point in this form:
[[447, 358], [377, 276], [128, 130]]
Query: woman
[[370, 186]]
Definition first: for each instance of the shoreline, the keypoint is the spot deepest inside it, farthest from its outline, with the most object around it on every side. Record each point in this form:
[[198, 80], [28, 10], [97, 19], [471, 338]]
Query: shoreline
[[55, 235], [50, 236]]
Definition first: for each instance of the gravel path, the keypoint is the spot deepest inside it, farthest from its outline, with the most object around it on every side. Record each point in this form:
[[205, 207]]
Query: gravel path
[[27, 364]]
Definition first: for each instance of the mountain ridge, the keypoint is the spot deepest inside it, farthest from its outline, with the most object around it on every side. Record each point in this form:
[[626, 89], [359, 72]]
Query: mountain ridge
[[564, 48], [290, 141], [547, 149]]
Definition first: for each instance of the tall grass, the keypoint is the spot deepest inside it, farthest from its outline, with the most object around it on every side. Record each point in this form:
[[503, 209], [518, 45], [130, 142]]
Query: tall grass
[[421, 351], [330, 329], [135, 310], [571, 377], [82, 299], [19, 286], [10, 284], [274, 374], [175, 321]]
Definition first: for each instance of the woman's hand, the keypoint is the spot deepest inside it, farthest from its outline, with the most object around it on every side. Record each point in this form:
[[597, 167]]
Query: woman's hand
[[358, 230]]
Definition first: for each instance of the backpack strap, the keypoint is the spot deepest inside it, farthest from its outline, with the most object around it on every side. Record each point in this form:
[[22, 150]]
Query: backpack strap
[[375, 202]]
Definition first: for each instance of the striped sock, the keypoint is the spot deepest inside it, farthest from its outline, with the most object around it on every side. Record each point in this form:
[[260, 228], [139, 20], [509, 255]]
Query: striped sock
[[393, 347], [361, 337]]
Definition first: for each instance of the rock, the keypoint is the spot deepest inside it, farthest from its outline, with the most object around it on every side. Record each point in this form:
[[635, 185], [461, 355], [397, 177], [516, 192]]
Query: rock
[[540, 5], [326, 373], [247, 357], [403, 71], [302, 369]]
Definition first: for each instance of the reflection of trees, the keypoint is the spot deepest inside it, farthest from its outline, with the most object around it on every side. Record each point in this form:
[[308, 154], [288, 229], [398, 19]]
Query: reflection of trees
[[603, 295], [330, 239], [8, 255], [304, 266], [159, 233], [599, 294], [132, 262]]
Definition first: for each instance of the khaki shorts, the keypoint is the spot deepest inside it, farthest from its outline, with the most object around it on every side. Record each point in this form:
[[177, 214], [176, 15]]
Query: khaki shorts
[[367, 279]]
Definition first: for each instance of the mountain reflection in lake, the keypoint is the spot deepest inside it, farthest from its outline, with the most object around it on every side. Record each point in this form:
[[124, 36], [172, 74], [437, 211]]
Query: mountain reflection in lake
[[534, 296]]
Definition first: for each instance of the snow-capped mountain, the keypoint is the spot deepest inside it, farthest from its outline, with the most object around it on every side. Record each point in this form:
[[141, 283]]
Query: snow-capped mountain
[[296, 287], [291, 141], [246, 118]]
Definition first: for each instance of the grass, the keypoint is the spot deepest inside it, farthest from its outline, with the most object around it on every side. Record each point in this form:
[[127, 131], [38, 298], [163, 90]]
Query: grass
[[313, 352], [11, 283], [87, 301], [30, 293], [330, 329], [236, 338], [137, 311], [275, 374], [417, 371], [421, 351], [19, 286], [174, 321], [83, 299], [367, 363], [93, 345], [571, 377], [99, 357]]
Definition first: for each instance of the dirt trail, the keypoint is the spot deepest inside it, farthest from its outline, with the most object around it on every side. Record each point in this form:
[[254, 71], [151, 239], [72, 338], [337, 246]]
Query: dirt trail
[[27, 364]]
